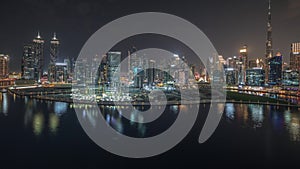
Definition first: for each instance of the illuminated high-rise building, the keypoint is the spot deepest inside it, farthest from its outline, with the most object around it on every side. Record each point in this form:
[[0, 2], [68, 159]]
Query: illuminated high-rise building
[[27, 67], [94, 70], [61, 72], [244, 56], [102, 71], [255, 77], [275, 68], [4, 62], [232, 62], [295, 56], [54, 46], [243, 64], [113, 70], [231, 76], [38, 56], [269, 47], [80, 71], [151, 71], [133, 62], [290, 78]]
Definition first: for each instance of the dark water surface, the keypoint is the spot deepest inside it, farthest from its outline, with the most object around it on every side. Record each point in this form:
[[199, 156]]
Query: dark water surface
[[41, 134]]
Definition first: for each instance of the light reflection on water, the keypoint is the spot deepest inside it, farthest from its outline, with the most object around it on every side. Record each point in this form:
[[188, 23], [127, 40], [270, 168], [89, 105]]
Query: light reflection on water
[[134, 125], [292, 123], [38, 120], [256, 111], [230, 111], [40, 117], [38, 123], [60, 108], [38, 133], [254, 116], [4, 103]]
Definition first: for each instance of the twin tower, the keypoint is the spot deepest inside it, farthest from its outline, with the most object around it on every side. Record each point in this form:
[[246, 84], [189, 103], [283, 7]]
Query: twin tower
[[33, 58]]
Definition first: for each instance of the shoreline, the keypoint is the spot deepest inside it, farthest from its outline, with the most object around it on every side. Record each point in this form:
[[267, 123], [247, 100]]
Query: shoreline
[[140, 103]]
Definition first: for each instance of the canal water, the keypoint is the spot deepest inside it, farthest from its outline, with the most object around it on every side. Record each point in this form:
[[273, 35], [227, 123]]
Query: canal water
[[42, 134]]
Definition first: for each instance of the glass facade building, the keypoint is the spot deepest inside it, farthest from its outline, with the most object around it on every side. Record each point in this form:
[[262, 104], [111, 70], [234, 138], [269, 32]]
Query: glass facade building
[[275, 70], [4, 61], [54, 45], [27, 67], [255, 77], [231, 76], [113, 70], [290, 78]]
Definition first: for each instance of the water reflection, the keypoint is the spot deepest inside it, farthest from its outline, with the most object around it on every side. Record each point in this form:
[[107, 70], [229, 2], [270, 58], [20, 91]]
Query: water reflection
[[135, 125], [256, 112], [230, 111], [292, 123], [28, 113], [38, 123], [53, 122], [40, 118], [60, 108], [43, 117], [275, 119], [4, 103]]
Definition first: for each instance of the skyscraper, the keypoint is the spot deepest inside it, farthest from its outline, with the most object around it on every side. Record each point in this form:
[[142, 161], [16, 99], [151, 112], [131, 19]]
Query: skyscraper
[[275, 67], [295, 56], [243, 64], [269, 48], [102, 71], [244, 56], [290, 78], [134, 62], [28, 62], [255, 77], [231, 76], [54, 46], [38, 56], [61, 72], [151, 71], [80, 71], [113, 72], [4, 61]]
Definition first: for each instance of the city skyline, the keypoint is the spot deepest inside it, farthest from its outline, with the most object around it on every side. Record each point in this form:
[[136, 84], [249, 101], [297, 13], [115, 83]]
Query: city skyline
[[253, 23], [155, 84]]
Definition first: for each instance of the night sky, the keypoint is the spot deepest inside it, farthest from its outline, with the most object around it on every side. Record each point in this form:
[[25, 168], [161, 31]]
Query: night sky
[[229, 24]]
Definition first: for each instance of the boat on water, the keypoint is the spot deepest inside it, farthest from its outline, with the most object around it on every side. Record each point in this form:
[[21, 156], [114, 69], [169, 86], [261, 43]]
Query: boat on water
[[3, 90]]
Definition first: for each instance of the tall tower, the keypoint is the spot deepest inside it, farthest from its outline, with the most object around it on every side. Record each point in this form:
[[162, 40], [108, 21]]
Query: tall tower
[[244, 56], [275, 65], [4, 61], [269, 49], [295, 56], [113, 70], [54, 45], [38, 55], [28, 62], [243, 64]]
